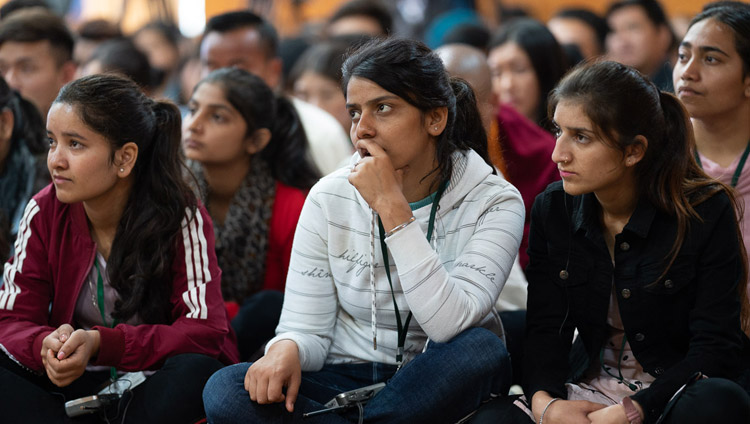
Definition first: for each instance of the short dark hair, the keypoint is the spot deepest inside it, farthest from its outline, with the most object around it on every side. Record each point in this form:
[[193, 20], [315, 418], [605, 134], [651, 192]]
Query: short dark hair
[[37, 24], [99, 30], [269, 38], [371, 8], [121, 56], [596, 22], [169, 31], [14, 5], [653, 10], [323, 58], [471, 33]]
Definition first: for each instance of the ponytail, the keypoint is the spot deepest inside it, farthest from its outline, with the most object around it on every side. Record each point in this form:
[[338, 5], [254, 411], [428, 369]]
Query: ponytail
[[287, 154], [143, 249], [622, 104], [468, 130], [140, 262]]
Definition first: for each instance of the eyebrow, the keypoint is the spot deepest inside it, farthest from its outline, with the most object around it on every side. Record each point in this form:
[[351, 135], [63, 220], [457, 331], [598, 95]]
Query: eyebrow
[[213, 105], [576, 129], [376, 100], [704, 49], [72, 134]]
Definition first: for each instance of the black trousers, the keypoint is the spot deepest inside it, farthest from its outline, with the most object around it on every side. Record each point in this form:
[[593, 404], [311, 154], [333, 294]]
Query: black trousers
[[171, 395], [711, 400], [256, 322]]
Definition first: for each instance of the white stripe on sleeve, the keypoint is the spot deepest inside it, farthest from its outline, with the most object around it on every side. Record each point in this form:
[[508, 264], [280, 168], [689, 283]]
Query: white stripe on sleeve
[[10, 290]]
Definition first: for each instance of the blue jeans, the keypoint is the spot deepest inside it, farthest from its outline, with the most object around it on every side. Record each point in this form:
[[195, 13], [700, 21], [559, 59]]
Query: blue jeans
[[444, 384]]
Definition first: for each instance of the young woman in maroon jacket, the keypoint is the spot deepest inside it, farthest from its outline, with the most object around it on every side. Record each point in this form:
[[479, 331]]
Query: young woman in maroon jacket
[[114, 269]]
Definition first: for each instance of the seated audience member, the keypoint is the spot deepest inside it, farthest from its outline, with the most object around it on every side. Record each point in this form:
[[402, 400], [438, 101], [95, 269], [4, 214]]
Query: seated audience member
[[90, 35], [421, 229], [640, 37], [470, 63], [582, 28], [245, 40], [640, 251], [120, 56], [23, 171], [316, 79], [712, 79], [250, 161], [160, 41], [36, 55], [526, 63], [362, 17], [115, 270]]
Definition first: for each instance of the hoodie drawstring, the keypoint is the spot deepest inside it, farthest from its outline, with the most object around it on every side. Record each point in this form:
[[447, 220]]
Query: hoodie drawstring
[[374, 318]]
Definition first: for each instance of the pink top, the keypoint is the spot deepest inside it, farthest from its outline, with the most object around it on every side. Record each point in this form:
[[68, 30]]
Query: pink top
[[743, 191], [616, 363]]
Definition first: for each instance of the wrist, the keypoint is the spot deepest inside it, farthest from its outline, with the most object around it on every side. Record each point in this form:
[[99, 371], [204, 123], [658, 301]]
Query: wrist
[[538, 401], [393, 213], [546, 409], [95, 340], [633, 411]]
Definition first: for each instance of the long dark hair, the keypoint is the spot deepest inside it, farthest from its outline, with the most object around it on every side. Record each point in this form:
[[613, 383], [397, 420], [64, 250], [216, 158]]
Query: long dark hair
[[410, 70], [287, 154], [28, 125], [547, 56], [736, 16], [621, 104], [139, 265]]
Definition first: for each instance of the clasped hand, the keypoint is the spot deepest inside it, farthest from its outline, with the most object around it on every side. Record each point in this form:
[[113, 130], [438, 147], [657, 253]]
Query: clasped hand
[[66, 352]]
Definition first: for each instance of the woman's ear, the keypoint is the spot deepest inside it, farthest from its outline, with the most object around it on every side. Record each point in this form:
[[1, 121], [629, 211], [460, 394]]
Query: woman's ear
[[258, 140], [437, 119], [6, 124], [125, 158], [635, 152]]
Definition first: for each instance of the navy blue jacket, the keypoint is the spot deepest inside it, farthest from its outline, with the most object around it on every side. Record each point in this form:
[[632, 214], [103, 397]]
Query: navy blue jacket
[[684, 321]]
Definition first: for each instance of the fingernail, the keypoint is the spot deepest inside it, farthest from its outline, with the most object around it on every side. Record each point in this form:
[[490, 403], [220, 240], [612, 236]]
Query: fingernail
[[60, 354]]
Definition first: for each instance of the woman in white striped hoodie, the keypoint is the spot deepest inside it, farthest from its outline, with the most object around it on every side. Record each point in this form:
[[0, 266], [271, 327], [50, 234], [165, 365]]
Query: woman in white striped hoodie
[[397, 261]]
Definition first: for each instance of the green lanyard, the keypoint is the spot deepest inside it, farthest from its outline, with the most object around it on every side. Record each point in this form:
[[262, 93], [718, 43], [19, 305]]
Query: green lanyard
[[738, 171], [619, 377], [402, 329], [100, 304]]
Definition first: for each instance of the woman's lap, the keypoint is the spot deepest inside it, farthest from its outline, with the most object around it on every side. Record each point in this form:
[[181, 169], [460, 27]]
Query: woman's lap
[[446, 382]]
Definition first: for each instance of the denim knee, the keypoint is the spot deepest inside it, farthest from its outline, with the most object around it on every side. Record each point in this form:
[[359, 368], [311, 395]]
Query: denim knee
[[225, 394], [484, 348]]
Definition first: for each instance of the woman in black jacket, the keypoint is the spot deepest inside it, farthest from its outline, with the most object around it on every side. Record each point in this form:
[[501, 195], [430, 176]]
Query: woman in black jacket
[[639, 250]]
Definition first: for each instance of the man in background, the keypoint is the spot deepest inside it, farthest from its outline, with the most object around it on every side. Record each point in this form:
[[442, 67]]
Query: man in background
[[245, 40], [641, 37], [36, 55]]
